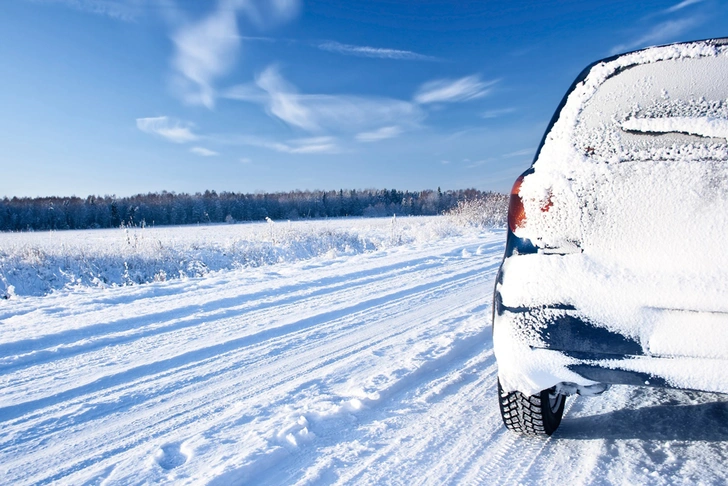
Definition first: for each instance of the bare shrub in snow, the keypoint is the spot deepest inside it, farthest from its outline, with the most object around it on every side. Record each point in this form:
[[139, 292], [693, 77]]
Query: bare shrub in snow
[[41, 262], [487, 211]]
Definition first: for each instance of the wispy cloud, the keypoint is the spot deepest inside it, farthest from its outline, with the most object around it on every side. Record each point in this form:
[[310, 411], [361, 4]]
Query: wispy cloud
[[667, 31], [208, 49], [309, 145], [377, 135], [265, 13], [477, 163], [497, 113], [378, 52], [319, 113], [682, 5], [169, 128], [284, 101], [520, 153], [260, 38], [348, 49], [118, 9], [202, 151], [449, 90], [204, 51], [249, 92], [313, 145]]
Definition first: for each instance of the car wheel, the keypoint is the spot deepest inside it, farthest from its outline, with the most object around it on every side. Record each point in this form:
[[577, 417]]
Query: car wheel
[[538, 414]]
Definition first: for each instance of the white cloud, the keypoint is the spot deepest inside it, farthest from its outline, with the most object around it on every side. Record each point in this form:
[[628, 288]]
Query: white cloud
[[449, 90], [520, 153], [205, 51], [667, 31], [260, 38], [246, 92], [284, 102], [310, 145], [265, 13], [284, 10], [245, 160], [321, 113], [169, 128], [378, 52], [682, 5], [314, 145], [208, 49], [381, 134], [203, 152], [117, 9], [661, 33], [477, 163], [497, 113]]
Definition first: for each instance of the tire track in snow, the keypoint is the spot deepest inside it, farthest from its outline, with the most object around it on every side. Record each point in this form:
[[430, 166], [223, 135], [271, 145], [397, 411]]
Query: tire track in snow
[[392, 304], [11, 411], [18, 353], [397, 393], [422, 377], [334, 359], [406, 388], [528, 449], [435, 434]]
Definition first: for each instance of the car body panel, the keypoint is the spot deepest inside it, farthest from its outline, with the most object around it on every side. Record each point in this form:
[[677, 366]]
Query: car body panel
[[617, 274]]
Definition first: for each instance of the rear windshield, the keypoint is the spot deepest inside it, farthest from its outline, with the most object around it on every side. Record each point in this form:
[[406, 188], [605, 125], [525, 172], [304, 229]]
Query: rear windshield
[[673, 109]]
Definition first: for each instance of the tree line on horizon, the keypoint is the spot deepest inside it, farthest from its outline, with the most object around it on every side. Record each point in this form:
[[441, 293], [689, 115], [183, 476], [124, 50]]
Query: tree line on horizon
[[170, 208]]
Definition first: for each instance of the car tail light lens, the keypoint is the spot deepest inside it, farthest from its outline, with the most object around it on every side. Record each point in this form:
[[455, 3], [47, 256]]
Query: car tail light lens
[[516, 211]]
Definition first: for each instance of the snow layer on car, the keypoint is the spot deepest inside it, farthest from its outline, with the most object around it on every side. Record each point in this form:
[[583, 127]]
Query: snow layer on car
[[635, 172], [703, 126]]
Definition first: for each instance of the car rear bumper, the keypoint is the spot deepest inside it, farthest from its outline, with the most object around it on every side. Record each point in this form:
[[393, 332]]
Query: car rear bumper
[[630, 340], [542, 347]]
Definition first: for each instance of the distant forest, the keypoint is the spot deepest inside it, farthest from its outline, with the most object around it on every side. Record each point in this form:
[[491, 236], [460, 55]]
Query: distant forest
[[169, 208]]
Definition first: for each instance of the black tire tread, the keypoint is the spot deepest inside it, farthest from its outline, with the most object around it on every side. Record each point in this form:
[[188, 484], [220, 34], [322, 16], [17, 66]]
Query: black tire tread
[[524, 414]]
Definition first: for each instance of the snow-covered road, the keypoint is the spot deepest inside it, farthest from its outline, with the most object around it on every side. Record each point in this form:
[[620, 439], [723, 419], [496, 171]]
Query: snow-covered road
[[375, 368]]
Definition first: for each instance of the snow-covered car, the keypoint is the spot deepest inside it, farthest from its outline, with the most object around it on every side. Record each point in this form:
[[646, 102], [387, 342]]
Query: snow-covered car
[[616, 269]]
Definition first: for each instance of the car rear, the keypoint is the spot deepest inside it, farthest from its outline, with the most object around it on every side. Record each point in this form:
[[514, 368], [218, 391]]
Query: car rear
[[615, 270]]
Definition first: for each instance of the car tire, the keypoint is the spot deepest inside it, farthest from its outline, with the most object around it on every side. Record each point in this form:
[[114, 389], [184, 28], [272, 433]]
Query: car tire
[[538, 414]]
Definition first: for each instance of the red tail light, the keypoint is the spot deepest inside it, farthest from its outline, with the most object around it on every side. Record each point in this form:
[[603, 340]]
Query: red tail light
[[516, 211]]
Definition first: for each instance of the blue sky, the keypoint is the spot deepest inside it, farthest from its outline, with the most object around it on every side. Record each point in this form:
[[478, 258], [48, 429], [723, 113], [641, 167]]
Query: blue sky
[[132, 96]]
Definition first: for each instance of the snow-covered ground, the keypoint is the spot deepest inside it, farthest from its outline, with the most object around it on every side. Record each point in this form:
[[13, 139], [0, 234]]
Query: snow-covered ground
[[355, 365], [41, 262]]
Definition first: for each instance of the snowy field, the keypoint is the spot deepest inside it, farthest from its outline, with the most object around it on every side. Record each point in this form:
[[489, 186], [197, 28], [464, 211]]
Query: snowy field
[[41, 262], [330, 352]]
